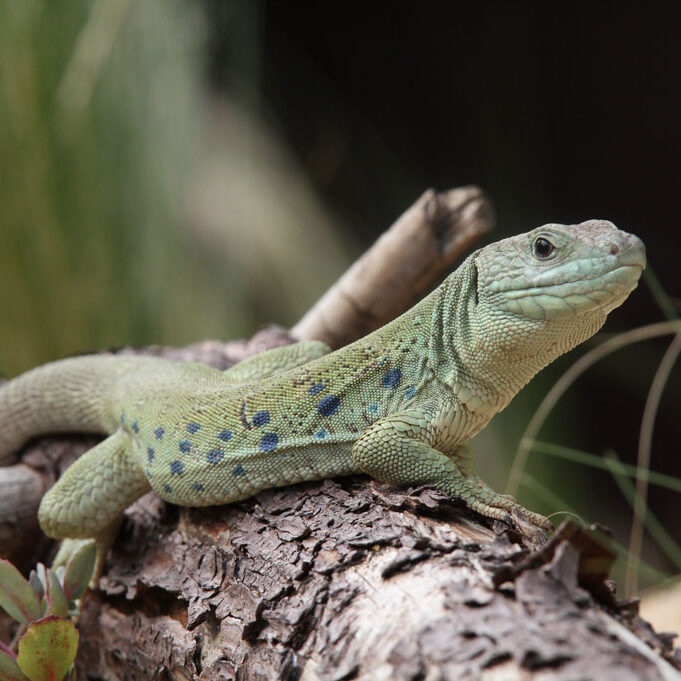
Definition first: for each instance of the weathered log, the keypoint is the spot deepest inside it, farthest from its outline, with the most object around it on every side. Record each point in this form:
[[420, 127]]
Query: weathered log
[[349, 579]]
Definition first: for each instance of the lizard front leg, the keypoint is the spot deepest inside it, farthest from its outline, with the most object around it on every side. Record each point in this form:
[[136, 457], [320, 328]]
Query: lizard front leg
[[463, 460], [398, 450]]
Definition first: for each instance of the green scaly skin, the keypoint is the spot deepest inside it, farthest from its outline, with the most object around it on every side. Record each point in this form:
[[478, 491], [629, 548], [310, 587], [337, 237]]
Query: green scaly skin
[[399, 404]]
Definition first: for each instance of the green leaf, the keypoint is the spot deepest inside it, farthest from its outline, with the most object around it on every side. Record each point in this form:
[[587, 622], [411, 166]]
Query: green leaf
[[36, 585], [16, 595], [48, 648], [56, 600], [79, 571], [9, 669]]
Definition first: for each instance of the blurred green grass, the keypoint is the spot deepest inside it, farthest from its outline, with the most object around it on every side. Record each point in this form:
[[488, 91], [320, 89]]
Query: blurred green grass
[[136, 210], [95, 143]]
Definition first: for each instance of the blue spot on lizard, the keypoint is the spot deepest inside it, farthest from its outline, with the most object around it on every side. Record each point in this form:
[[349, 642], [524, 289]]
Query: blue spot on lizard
[[150, 454], [225, 435], [176, 467], [197, 487], [269, 442], [321, 434], [261, 418], [238, 471], [391, 379], [328, 405], [167, 488], [193, 427], [185, 446], [159, 432], [135, 426], [215, 456], [410, 392]]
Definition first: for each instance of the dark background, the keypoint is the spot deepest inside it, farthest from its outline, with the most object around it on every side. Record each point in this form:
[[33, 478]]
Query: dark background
[[561, 115]]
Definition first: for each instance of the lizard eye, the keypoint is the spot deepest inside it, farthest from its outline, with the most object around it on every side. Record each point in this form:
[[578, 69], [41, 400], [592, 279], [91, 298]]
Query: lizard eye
[[542, 248]]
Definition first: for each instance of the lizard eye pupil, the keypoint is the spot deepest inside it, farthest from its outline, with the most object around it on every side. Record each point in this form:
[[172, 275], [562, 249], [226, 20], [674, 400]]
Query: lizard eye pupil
[[543, 248]]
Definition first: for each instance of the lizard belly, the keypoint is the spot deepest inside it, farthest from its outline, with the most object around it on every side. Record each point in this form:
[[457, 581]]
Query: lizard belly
[[209, 475]]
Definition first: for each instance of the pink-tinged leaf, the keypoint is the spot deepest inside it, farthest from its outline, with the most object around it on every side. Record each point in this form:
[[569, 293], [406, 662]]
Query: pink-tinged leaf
[[79, 571], [16, 596], [48, 648], [9, 669]]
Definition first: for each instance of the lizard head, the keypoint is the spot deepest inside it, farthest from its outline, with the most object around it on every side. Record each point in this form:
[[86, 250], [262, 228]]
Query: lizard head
[[536, 295], [558, 272]]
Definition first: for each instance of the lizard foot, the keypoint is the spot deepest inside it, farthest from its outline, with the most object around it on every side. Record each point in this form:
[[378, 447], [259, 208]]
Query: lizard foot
[[483, 499]]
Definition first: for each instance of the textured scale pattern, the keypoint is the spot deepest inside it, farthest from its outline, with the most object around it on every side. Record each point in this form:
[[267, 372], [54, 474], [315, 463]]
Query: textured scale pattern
[[399, 404]]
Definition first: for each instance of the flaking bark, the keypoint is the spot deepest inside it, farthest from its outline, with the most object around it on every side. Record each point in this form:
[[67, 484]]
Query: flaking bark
[[349, 579]]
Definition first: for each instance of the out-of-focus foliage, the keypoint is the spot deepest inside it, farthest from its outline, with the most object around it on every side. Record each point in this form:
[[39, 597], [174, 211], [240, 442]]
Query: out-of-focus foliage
[[130, 215], [96, 137]]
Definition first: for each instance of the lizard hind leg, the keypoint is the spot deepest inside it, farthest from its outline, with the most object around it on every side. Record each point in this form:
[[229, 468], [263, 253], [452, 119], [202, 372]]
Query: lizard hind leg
[[89, 499]]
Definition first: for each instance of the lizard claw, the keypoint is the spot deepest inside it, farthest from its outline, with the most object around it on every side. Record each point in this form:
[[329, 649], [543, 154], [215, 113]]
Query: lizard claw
[[504, 507]]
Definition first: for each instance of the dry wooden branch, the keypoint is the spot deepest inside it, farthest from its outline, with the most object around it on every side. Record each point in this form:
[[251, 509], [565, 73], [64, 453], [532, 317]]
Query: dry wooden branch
[[414, 252], [20, 486]]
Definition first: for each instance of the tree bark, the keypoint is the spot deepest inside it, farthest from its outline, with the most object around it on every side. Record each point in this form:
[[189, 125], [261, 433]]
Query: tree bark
[[349, 579]]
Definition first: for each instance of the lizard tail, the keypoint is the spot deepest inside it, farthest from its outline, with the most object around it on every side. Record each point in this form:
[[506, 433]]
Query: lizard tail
[[68, 395]]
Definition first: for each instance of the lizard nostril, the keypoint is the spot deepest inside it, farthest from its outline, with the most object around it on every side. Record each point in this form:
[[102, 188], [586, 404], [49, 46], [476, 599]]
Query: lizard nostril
[[614, 249]]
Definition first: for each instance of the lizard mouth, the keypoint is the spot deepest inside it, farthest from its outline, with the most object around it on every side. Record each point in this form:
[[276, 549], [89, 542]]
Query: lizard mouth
[[574, 295], [622, 275], [622, 279]]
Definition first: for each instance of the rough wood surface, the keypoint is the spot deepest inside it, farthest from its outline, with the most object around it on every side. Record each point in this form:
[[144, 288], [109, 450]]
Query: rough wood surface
[[20, 486], [422, 244], [349, 580]]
